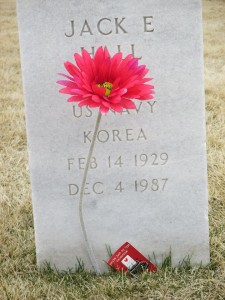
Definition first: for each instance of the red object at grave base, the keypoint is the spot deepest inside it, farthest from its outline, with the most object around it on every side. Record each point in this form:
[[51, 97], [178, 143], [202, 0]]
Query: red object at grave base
[[129, 259]]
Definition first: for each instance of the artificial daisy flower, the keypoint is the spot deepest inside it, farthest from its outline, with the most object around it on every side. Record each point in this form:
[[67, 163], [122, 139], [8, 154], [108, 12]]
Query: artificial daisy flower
[[106, 82]]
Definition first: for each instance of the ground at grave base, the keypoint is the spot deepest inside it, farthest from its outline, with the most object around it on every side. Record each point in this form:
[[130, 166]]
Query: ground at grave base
[[19, 277]]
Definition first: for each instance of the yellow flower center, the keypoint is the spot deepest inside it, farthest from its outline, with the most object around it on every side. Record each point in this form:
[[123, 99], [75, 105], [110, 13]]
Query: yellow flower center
[[108, 86]]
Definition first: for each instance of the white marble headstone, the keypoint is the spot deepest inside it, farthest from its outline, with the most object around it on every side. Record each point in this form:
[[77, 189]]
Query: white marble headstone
[[148, 183]]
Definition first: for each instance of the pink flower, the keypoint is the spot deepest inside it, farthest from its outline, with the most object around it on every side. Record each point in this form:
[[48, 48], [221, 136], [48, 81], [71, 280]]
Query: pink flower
[[106, 82]]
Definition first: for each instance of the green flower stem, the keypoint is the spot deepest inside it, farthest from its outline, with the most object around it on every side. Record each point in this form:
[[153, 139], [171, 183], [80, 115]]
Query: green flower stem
[[90, 251]]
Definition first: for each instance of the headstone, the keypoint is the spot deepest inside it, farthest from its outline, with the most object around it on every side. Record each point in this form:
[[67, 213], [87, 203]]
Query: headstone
[[147, 182]]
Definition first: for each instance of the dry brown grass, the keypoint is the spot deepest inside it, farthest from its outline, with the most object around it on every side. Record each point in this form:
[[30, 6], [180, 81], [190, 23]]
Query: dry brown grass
[[19, 277]]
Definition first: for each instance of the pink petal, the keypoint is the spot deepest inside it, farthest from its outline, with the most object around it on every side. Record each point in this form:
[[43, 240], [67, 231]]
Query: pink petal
[[128, 104], [79, 92], [146, 97], [67, 83], [68, 77], [98, 55], [119, 92], [116, 107], [71, 69], [132, 95], [74, 99], [116, 83], [104, 109], [146, 80], [105, 103], [115, 99], [96, 98], [100, 91], [84, 102], [93, 104], [79, 60], [66, 91]]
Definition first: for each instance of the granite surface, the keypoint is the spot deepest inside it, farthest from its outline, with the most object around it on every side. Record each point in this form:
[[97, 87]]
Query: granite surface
[[147, 183]]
